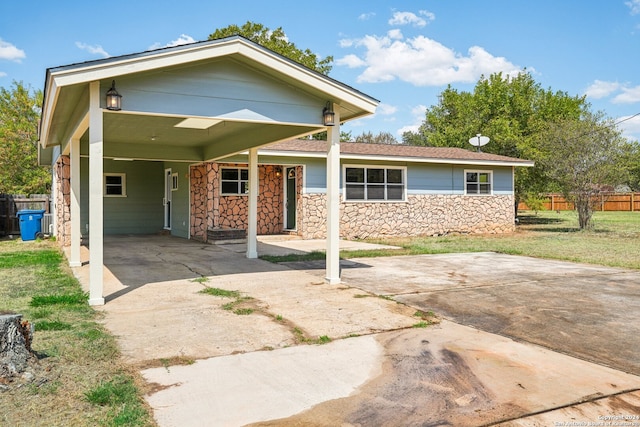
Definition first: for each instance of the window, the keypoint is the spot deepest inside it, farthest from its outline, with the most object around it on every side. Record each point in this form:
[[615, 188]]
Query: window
[[374, 184], [115, 185], [478, 182], [234, 181], [174, 181]]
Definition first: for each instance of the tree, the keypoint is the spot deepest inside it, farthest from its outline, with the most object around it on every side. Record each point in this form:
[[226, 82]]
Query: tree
[[512, 111], [277, 41], [19, 170], [322, 136], [381, 138], [584, 157]]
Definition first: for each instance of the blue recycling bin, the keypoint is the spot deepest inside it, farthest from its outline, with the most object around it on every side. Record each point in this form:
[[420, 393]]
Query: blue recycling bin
[[30, 223]]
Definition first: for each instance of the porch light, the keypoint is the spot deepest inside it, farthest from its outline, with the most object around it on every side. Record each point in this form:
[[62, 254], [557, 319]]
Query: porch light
[[114, 99], [328, 115]]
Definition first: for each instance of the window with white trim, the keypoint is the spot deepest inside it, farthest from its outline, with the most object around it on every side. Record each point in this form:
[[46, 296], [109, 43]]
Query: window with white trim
[[174, 182], [115, 185], [374, 184], [478, 182], [234, 181]]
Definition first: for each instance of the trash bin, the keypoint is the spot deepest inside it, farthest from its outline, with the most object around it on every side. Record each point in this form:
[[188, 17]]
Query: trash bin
[[30, 223]]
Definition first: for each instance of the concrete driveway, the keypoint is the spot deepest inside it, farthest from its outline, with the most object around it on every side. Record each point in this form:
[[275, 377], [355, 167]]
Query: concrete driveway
[[589, 312], [516, 347]]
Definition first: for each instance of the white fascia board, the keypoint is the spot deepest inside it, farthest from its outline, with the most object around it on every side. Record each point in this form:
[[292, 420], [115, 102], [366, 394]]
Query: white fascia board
[[395, 158], [313, 154], [52, 99], [136, 64]]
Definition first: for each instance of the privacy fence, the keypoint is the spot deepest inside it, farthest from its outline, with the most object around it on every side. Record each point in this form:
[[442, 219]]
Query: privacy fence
[[11, 204], [629, 202]]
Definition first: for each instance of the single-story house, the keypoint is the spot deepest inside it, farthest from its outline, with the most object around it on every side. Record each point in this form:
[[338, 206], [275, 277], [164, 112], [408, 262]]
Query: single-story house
[[205, 140]]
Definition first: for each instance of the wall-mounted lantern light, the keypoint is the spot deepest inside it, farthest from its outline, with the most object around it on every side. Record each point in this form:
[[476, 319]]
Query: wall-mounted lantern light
[[328, 116], [114, 99]]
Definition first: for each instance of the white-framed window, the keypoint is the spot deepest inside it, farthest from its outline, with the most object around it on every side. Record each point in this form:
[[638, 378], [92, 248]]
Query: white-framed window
[[374, 183], [234, 181], [115, 185], [478, 182], [174, 182]]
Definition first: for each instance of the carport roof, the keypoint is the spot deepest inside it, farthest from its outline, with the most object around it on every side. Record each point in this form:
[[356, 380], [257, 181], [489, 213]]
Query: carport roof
[[291, 107], [396, 152]]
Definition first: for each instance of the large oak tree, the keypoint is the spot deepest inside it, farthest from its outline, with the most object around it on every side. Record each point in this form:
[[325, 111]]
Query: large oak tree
[[512, 111]]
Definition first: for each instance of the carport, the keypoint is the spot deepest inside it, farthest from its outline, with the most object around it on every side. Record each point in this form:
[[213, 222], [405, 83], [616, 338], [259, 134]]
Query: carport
[[181, 105]]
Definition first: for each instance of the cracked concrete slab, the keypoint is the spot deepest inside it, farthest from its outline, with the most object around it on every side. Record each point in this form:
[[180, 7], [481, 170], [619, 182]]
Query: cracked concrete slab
[[393, 375]]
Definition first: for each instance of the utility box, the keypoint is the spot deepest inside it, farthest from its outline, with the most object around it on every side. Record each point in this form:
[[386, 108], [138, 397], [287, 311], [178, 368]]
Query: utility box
[[30, 223]]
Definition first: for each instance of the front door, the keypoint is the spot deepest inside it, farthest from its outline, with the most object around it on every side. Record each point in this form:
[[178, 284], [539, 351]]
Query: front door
[[290, 204], [167, 198]]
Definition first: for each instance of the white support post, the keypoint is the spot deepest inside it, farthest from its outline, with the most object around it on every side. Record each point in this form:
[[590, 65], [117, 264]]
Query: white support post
[[96, 204], [252, 220], [333, 201], [76, 229]]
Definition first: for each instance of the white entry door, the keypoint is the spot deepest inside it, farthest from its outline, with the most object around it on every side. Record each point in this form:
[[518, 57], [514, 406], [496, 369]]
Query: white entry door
[[168, 182]]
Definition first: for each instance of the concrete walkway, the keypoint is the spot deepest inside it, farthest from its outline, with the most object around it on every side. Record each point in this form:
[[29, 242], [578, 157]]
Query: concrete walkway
[[266, 368]]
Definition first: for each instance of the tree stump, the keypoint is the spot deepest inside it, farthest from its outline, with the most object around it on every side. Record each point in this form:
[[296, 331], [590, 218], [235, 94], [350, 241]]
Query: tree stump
[[15, 345]]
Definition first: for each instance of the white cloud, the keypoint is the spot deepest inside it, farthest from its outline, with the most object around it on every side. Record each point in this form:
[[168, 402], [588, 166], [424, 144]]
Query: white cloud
[[630, 127], [346, 42], [11, 53], [410, 18], [418, 114], [422, 61], [183, 39], [3, 74], [351, 61], [366, 16], [624, 94], [386, 109], [93, 49], [395, 34], [629, 95], [634, 5], [601, 89]]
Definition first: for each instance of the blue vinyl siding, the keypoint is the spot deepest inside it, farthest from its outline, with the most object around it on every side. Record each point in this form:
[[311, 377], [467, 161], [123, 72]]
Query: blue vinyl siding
[[141, 212], [180, 200]]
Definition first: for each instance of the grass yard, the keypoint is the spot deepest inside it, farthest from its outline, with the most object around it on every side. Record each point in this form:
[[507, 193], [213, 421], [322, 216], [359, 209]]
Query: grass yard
[[78, 379], [614, 241]]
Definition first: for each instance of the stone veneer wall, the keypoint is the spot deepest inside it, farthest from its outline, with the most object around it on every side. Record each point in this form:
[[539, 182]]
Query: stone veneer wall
[[202, 200], [211, 210], [420, 215], [62, 175]]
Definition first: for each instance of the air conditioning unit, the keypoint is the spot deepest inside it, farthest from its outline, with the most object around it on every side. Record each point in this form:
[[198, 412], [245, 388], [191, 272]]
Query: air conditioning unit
[[47, 224]]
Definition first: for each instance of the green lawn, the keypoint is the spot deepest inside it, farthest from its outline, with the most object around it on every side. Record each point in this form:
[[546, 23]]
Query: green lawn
[[78, 379], [613, 241]]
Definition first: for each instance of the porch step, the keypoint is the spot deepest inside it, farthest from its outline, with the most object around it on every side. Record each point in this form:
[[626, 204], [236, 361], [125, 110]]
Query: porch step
[[219, 235]]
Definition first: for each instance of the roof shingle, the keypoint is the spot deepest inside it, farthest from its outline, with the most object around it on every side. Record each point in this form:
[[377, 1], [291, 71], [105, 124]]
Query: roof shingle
[[394, 150]]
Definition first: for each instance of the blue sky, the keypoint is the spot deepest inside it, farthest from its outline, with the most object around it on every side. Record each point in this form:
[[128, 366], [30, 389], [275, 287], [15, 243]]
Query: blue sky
[[403, 53]]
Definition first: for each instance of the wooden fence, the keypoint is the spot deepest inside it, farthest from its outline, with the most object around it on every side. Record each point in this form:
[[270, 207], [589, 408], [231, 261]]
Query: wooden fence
[[11, 204], [629, 202]]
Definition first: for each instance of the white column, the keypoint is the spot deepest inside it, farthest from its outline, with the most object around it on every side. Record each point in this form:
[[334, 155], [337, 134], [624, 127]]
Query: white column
[[333, 200], [96, 214], [252, 220], [76, 229]]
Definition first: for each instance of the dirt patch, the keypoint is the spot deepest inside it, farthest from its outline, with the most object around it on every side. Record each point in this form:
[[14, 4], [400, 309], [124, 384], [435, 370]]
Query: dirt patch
[[420, 384]]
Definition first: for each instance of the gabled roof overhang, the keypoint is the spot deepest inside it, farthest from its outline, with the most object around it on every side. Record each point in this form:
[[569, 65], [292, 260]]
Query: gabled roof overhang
[[296, 96]]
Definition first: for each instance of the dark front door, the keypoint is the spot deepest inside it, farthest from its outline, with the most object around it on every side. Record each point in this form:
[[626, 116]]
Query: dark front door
[[290, 174]]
